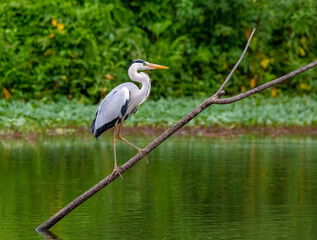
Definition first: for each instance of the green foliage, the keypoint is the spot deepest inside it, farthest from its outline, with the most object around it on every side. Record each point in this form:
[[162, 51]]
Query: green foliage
[[81, 49], [35, 116]]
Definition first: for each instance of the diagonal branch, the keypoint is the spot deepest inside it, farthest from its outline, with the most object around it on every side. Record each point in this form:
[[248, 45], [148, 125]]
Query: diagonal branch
[[266, 85], [215, 99]]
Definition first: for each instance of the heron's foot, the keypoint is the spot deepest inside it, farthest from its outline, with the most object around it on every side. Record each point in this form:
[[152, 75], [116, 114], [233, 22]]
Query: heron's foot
[[118, 170], [145, 157]]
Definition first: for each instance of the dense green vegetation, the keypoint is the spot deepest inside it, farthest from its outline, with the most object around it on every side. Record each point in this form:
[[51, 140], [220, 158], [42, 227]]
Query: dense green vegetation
[[39, 116], [80, 49]]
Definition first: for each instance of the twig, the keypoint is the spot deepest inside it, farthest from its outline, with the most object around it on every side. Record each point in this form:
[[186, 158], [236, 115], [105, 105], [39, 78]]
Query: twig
[[237, 64], [215, 99]]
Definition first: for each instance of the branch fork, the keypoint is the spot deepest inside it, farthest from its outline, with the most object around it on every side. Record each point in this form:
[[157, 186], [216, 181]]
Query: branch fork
[[218, 95]]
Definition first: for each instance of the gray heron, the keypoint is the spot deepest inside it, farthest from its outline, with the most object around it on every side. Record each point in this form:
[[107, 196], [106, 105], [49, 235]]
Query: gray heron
[[121, 102]]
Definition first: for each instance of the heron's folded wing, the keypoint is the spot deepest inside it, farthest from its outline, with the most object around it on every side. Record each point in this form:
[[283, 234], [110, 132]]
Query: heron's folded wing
[[113, 107]]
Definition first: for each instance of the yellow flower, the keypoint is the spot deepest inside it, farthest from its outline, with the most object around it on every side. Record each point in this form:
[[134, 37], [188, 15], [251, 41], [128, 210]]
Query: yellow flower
[[252, 82], [302, 40], [264, 63], [273, 92], [6, 93], [64, 77], [302, 52], [52, 35], [54, 22], [305, 86], [60, 26], [243, 88], [225, 66]]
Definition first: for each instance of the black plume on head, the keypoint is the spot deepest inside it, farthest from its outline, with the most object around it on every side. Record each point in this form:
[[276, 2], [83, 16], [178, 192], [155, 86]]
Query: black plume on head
[[137, 61]]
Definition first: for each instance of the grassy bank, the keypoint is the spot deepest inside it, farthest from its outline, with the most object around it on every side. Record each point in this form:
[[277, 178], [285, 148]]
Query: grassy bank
[[37, 116]]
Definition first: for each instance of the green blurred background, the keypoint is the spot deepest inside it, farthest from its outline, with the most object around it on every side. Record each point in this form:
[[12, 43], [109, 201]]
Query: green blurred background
[[81, 49]]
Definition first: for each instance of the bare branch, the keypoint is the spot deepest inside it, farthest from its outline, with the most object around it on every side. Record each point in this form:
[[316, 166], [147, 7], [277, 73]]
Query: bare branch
[[215, 99], [237, 64]]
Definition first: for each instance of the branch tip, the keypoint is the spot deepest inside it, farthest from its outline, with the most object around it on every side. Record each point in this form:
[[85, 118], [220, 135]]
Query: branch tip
[[218, 94], [237, 64]]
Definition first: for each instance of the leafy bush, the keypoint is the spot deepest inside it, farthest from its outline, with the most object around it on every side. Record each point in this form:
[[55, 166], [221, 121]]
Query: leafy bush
[[81, 49]]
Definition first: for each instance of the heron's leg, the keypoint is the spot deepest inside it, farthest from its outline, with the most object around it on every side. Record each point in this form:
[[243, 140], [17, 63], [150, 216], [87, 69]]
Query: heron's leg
[[116, 168], [131, 144]]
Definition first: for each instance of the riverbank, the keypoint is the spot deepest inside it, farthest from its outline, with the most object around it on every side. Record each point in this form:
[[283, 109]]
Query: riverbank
[[256, 115], [214, 132]]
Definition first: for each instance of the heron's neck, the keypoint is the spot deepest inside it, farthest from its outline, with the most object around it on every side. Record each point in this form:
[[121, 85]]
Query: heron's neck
[[142, 78]]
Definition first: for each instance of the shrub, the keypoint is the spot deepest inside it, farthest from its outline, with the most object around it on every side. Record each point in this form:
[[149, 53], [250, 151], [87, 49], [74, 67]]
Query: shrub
[[81, 49]]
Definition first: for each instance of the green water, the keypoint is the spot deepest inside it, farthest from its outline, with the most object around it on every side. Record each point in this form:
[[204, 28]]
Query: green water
[[193, 188]]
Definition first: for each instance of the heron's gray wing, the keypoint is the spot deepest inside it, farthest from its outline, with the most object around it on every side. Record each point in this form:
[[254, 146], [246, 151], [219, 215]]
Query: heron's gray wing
[[112, 108]]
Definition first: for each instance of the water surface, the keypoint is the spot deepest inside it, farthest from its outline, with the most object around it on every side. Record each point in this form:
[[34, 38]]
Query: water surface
[[193, 188]]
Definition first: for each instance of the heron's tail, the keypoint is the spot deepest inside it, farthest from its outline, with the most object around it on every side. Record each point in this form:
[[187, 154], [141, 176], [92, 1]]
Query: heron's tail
[[92, 127]]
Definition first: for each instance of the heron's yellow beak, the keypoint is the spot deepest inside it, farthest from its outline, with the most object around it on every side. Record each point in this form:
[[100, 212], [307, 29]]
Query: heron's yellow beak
[[156, 66]]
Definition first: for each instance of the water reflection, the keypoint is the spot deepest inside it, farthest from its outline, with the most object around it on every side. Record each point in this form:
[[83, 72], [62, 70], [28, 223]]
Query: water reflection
[[193, 188], [47, 234]]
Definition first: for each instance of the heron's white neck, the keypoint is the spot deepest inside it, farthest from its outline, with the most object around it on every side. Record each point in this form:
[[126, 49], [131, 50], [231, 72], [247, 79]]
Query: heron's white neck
[[142, 78]]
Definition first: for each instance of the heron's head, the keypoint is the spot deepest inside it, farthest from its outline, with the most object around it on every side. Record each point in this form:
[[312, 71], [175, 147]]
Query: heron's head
[[140, 65]]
